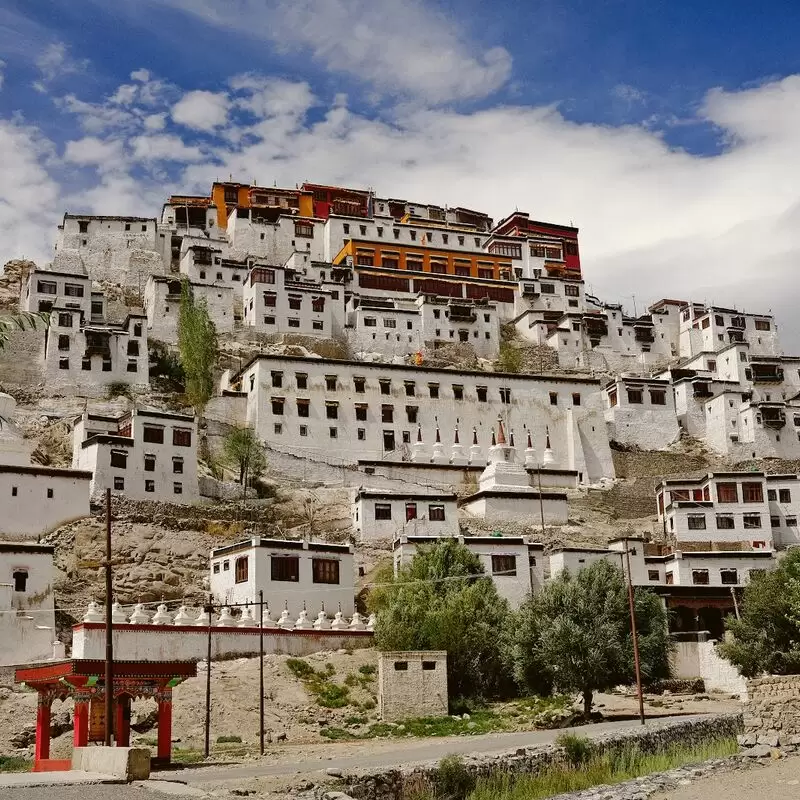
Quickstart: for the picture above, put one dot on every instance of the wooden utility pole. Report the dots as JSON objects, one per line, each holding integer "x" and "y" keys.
{"x": 209, "y": 611}
{"x": 631, "y": 607}
{"x": 109, "y": 634}
{"x": 261, "y": 670}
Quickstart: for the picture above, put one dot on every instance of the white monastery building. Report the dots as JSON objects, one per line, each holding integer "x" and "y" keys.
{"x": 387, "y": 515}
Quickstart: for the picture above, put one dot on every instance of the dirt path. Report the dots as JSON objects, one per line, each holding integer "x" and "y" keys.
{"x": 777, "y": 781}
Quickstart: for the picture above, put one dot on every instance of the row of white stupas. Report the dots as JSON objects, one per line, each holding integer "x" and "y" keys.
{"x": 199, "y": 617}
{"x": 420, "y": 455}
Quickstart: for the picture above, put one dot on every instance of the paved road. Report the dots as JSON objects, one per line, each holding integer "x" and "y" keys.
{"x": 93, "y": 792}
{"x": 395, "y": 752}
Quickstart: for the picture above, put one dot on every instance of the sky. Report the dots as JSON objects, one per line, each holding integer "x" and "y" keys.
{"x": 666, "y": 131}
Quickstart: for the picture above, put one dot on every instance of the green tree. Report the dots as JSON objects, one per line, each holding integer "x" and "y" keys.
{"x": 197, "y": 344}
{"x": 510, "y": 358}
{"x": 244, "y": 450}
{"x": 442, "y": 600}
{"x": 767, "y": 637}
{"x": 575, "y": 634}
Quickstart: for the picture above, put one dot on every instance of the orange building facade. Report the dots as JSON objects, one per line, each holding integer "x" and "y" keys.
{"x": 227, "y": 196}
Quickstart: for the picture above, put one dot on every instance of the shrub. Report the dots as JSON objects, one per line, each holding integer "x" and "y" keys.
{"x": 118, "y": 389}
{"x": 578, "y": 749}
{"x": 229, "y": 739}
{"x": 300, "y": 669}
{"x": 331, "y": 695}
{"x": 367, "y": 669}
{"x": 452, "y": 780}
{"x": 352, "y": 680}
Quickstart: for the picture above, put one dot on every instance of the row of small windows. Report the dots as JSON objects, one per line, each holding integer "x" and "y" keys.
{"x": 83, "y": 226}
{"x": 149, "y": 485}
{"x": 119, "y": 460}
{"x": 316, "y": 324}
{"x": 728, "y": 492}
{"x": 697, "y": 522}
{"x": 658, "y": 397}
{"x": 284, "y": 569}
{"x": 426, "y": 236}
{"x": 86, "y": 364}
{"x": 383, "y": 512}
{"x": 295, "y": 302}
{"x": 64, "y": 343}
{"x": 49, "y": 492}
{"x": 728, "y": 576}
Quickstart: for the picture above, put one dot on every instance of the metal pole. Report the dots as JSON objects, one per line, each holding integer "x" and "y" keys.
{"x": 541, "y": 502}
{"x": 261, "y": 670}
{"x": 636, "y": 663}
{"x": 209, "y": 610}
{"x": 109, "y": 637}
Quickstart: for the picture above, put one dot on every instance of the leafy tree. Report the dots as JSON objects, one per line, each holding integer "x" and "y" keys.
{"x": 442, "y": 600}
{"x": 767, "y": 637}
{"x": 510, "y": 358}
{"x": 245, "y": 451}
{"x": 197, "y": 344}
{"x": 575, "y": 634}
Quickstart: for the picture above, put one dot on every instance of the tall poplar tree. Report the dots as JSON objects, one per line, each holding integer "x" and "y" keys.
{"x": 197, "y": 344}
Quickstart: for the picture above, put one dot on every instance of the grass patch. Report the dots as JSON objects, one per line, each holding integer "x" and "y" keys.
{"x": 15, "y": 764}
{"x": 327, "y": 693}
{"x": 479, "y": 722}
{"x": 595, "y": 769}
{"x": 229, "y": 739}
{"x": 368, "y": 670}
{"x": 184, "y": 756}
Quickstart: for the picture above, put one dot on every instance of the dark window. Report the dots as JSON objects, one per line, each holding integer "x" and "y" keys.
{"x": 775, "y": 522}
{"x": 330, "y": 383}
{"x": 458, "y": 392}
{"x": 177, "y": 488}
{"x": 728, "y": 577}
{"x": 727, "y": 493}
{"x": 177, "y": 466}
{"x": 83, "y": 226}
{"x": 434, "y": 390}
{"x": 388, "y": 441}
{"x": 301, "y": 379}
{"x": 411, "y": 511}
{"x": 240, "y": 569}
{"x": 181, "y": 437}
{"x": 652, "y": 575}
{"x": 410, "y": 388}
{"x": 333, "y": 433}
{"x": 785, "y": 495}
{"x": 383, "y": 511}
{"x": 277, "y": 379}
{"x": 411, "y": 413}
{"x": 149, "y": 486}
{"x": 149, "y": 463}
{"x": 137, "y": 328}
{"x": 700, "y": 577}
{"x": 47, "y": 287}
{"x": 658, "y": 397}
{"x": 331, "y": 410}
{"x": 359, "y": 384}
{"x": 50, "y": 494}
{"x": 133, "y": 348}
{"x": 285, "y": 568}
{"x": 302, "y": 408}
{"x": 752, "y": 493}
{"x": 725, "y": 522}
{"x": 277, "y": 405}
{"x": 295, "y": 303}
{"x": 436, "y": 513}
{"x": 481, "y": 392}
{"x": 153, "y": 435}
{"x": 576, "y": 398}
{"x": 361, "y": 412}
{"x": 752, "y": 521}
{"x": 505, "y": 396}
{"x": 504, "y": 565}
{"x": 387, "y": 414}
{"x": 635, "y": 396}
{"x": 553, "y": 398}
{"x": 63, "y": 341}
{"x": 119, "y": 459}
{"x": 270, "y": 299}
{"x": 401, "y": 666}
{"x": 73, "y": 290}
{"x": 65, "y": 320}
{"x": 20, "y": 577}
{"x": 119, "y": 483}
{"x": 696, "y": 522}
{"x": 428, "y": 665}
{"x": 325, "y": 570}
{"x": 13, "y": 491}
{"x": 132, "y": 367}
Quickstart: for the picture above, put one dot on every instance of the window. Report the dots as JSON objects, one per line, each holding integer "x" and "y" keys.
{"x": 428, "y": 665}
{"x": 658, "y": 397}
{"x": 177, "y": 488}
{"x": 270, "y": 299}
{"x": 700, "y": 577}
{"x": 505, "y": 395}
{"x": 73, "y": 290}
{"x": 386, "y": 386}
{"x": 97, "y": 311}
{"x": 119, "y": 483}
{"x": 785, "y": 495}
{"x": 285, "y": 568}
{"x": 652, "y": 575}
{"x": 772, "y": 494}
{"x": 63, "y": 342}
{"x": 46, "y": 287}
{"x": 458, "y": 392}
{"x": 725, "y": 522}
{"x": 240, "y": 569}
{"x": 153, "y": 435}
{"x": 410, "y": 388}
{"x": 133, "y": 348}
{"x": 387, "y": 414}
{"x": 383, "y": 511}
{"x": 436, "y": 512}
{"x": 553, "y": 398}
{"x": 226, "y": 566}
{"x": 482, "y": 393}
{"x": 504, "y": 565}
{"x": 635, "y": 396}
{"x": 295, "y": 303}
{"x": 83, "y": 226}
{"x": 277, "y": 379}
{"x": 791, "y": 522}
{"x": 411, "y": 511}
{"x": 333, "y": 433}
{"x": 433, "y": 388}
{"x": 752, "y": 493}
{"x": 269, "y": 320}
{"x": 571, "y": 291}
{"x": 303, "y": 407}
{"x": 20, "y": 578}
{"x": 181, "y": 437}
{"x": 345, "y": 228}
{"x": 119, "y": 459}
{"x": 177, "y": 465}
{"x": 696, "y": 522}
{"x": 149, "y": 486}
{"x": 762, "y": 324}
{"x": 727, "y": 493}
{"x": 728, "y": 576}
{"x": 331, "y": 410}
{"x": 65, "y": 320}
{"x": 359, "y": 385}
{"x": 13, "y": 491}
{"x": 277, "y": 406}
{"x": 752, "y": 521}
{"x": 576, "y": 398}
{"x": 401, "y": 666}
{"x": 411, "y": 413}
{"x": 775, "y": 522}
{"x": 388, "y": 441}
{"x": 50, "y": 494}
{"x": 547, "y": 288}
{"x": 106, "y": 365}
{"x": 330, "y": 383}
{"x": 325, "y": 570}
{"x": 361, "y": 435}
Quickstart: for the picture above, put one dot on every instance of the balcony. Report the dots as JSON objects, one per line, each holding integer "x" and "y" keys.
{"x": 766, "y": 373}
{"x": 773, "y": 418}
{"x": 529, "y": 290}
{"x": 595, "y": 328}
{"x": 349, "y": 208}
{"x": 643, "y": 335}
{"x": 702, "y": 390}
{"x": 735, "y": 336}
{"x": 462, "y": 314}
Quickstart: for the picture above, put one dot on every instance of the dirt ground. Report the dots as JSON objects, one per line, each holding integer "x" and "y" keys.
{"x": 777, "y": 781}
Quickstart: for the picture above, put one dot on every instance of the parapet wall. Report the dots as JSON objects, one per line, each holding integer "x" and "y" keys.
{"x": 773, "y": 707}
{"x": 655, "y": 737}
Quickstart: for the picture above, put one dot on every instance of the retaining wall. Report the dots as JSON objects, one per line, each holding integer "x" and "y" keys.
{"x": 773, "y": 707}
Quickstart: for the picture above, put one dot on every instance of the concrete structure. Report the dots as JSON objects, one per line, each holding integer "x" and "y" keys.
{"x": 27, "y": 616}
{"x": 162, "y": 305}
{"x": 711, "y": 328}
{"x": 412, "y": 684}
{"x": 515, "y": 565}
{"x": 124, "y": 763}
{"x": 695, "y": 656}
{"x": 46, "y": 289}
{"x": 641, "y": 412}
{"x": 310, "y": 407}
{"x": 144, "y": 455}
{"x": 387, "y": 515}
{"x": 294, "y": 576}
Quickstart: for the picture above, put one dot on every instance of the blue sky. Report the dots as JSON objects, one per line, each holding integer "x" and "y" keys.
{"x": 665, "y": 130}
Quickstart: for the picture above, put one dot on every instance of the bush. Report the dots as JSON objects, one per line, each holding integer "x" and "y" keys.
{"x": 368, "y": 669}
{"x": 118, "y": 389}
{"x": 452, "y": 780}
{"x": 578, "y": 749}
{"x": 229, "y": 739}
{"x": 300, "y": 669}
{"x": 331, "y": 695}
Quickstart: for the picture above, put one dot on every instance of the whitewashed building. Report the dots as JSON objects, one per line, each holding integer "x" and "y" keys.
{"x": 162, "y": 305}
{"x": 346, "y": 411}
{"x": 710, "y": 328}
{"x": 386, "y": 515}
{"x": 144, "y": 455}
{"x": 641, "y": 412}
{"x": 85, "y": 357}
{"x": 293, "y": 575}
{"x": 45, "y": 289}
{"x": 276, "y": 239}
{"x": 27, "y": 615}
{"x": 515, "y": 565}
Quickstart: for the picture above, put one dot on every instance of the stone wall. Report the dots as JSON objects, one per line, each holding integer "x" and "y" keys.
{"x": 772, "y": 711}
{"x": 412, "y": 684}
{"x": 655, "y": 737}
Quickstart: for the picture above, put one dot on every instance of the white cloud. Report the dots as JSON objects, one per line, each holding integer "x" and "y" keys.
{"x": 124, "y": 95}
{"x": 629, "y": 94}
{"x": 164, "y": 147}
{"x": 142, "y": 75}
{"x": 55, "y": 62}
{"x": 155, "y": 122}
{"x": 405, "y": 49}
{"x": 2, "y": 74}
{"x": 91, "y": 151}
{"x": 201, "y": 110}
{"x": 266, "y": 97}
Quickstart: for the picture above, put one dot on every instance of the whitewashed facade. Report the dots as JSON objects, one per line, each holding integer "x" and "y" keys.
{"x": 144, "y": 455}
{"x": 641, "y": 412}
{"x": 293, "y": 575}
{"x": 710, "y": 328}
{"x": 346, "y": 411}
{"x": 387, "y": 515}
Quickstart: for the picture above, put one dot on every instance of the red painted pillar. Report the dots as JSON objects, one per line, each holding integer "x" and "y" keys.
{"x": 122, "y": 728}
{"x": 80, "y": 723}
{"x": 42, "y": 750}
{"x": 164, "y": 752}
